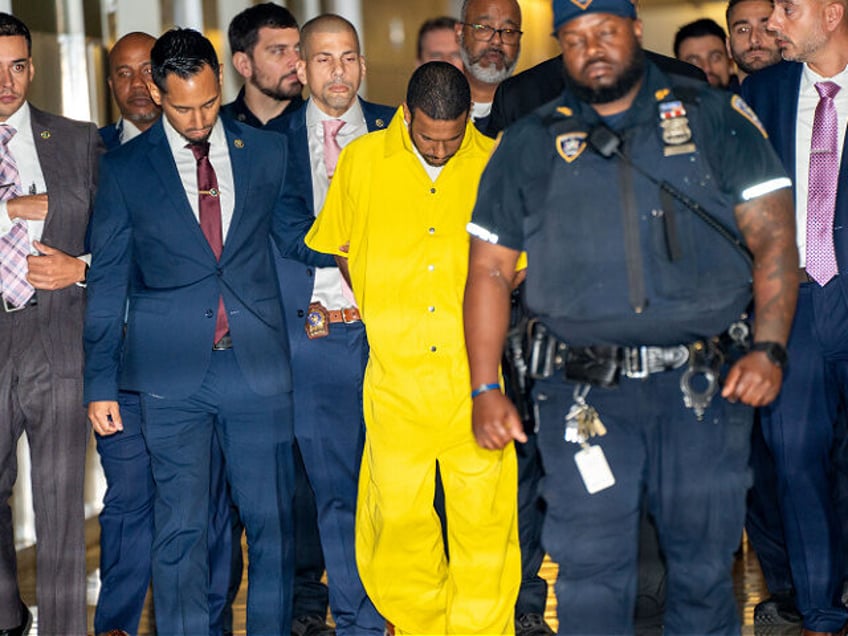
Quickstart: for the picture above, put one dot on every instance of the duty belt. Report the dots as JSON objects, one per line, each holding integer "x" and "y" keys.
{"x": 604, "y": 365}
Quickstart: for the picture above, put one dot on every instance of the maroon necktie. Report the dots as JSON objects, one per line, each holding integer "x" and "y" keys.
{"x": 210, "y": 218}
{"x": 821, "y": 201}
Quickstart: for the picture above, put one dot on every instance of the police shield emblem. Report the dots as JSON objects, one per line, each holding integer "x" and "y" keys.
{"x": 571, "y": 145}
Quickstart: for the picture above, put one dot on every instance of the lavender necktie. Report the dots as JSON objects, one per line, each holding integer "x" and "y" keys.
{"x": 821, "y": 202}
{"x": 15, "y": 245}
{"x": 332, "y": 149}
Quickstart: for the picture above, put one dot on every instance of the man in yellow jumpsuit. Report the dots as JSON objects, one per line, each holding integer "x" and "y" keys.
{"x": 395, "y": 217}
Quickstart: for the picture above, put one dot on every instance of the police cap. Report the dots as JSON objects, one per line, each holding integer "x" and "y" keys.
{"x": 567, "y": 10}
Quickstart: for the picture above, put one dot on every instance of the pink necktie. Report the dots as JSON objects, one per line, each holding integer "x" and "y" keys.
{"x": 209, "y": 206}
{"x": 332, "y": 149}
{"x": 15, "y": 245}
{"x": 824, "y": 172}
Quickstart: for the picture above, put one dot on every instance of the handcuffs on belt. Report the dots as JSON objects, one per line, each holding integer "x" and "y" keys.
{"x": 604, "y": 365}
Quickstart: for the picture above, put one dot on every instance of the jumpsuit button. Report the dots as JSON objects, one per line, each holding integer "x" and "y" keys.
{"x": 431, "y": 309}
{"x": 432, "y": 230}
{"x": 433, "y": 349}
{"x": 432, "y": 190}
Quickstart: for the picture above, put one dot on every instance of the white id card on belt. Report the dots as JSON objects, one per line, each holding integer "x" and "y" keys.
{"x": 594, "y": 469}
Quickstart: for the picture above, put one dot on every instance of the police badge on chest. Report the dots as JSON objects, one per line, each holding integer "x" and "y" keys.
{"x": 674, "y": 125}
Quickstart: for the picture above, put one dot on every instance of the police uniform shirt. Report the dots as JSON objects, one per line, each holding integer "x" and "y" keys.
{"x": 720, "y": 157}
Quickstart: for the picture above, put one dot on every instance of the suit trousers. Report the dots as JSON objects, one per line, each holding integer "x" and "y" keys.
{"x": 35, "y": 399}
{"x": 799, "y": 429}
{"x": 693, "y": 477}
{"x": 255, "y": 435}
{"x": 330, "y": 432}
{"x": 126, "y": 526}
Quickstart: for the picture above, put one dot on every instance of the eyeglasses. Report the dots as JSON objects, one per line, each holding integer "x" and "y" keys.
{"x": 485, "y": 33}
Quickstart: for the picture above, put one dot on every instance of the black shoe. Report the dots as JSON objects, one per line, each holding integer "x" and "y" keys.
{"x": 531, "y": 625}
{"x": 23, "y": 628}
{"x": 778, "y": 609}
{"x": 309, "y": 626}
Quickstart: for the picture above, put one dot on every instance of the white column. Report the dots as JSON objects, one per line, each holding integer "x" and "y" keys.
{"x": 188, "y": 13}
{"x": 6, "y": 6}
{"x": 128, "y": 16}
{"x": 227, "y": 10}
{"x": 73, "y": 59}
{"x": 311, "y": 9}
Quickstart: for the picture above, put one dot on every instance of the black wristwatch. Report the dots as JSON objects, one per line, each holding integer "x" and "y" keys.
{"x": 775, "y": 351}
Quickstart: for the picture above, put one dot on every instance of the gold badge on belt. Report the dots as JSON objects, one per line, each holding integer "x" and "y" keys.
{"x": 317, "y": 321}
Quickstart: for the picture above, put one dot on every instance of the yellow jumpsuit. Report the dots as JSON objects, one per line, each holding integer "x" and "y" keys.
{"x": 408, "y": 261}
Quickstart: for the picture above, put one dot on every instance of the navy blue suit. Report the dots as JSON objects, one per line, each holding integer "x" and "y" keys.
{"x": 799, "y": 427}
{"x": 126, "y": 521}
{"x": 151, "y": 258}
{"x": 327, "y": 375}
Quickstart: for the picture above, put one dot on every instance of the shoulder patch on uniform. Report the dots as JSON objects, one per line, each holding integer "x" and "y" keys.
{"x": 662, "y": 94}
{"x": 571, "y": 145}
{"x": 565, "y": 110}
{"x": 741, "y": 107}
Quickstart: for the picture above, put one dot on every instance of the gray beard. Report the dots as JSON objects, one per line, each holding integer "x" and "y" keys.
{"x": 486, "y": 74}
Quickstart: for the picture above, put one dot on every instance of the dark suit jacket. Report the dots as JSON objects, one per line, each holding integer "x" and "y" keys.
{"x": 295, "y": 269}
{"x": 148, "y": 250}
{"x": 773, "y": 94}
{"x": 523, "y": 93}
{"x": 68, "y": 153}
{"x": 111, "y": 136}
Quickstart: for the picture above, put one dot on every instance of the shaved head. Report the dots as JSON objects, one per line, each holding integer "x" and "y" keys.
{"x": 327, "y": 23}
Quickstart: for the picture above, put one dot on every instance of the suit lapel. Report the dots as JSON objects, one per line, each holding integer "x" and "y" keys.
{"x": 46, "y": 149}
{"x": 163, "y": 164}
{"x": 240, "y": 162}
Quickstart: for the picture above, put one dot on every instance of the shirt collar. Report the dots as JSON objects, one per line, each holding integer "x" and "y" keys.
{"x": 352, "y": 116}
{"x": 127, "y": 130}
{"x": 20, "y": 119}
{"x": 178, "y": 143}
{"x": 809, "y": 78}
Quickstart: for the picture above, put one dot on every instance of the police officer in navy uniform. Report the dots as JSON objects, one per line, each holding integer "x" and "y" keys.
{"x": 649, "y": 214}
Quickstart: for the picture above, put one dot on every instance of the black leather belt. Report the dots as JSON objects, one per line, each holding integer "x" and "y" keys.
{"x": 224, "y": 343}
{"x": 32, "y": 302}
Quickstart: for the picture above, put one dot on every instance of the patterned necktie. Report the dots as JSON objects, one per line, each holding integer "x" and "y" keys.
{"x": 209, "y": 205}
{"x": 824, "y": 172}
{"x": 332, "y": 149}
{"x": 14, "y": 246}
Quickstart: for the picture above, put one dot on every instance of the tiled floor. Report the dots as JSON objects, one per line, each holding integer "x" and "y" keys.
{"x": 747, "y": 578}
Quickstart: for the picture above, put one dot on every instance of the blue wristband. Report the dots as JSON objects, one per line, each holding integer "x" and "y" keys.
{"x": 485, "y": 388}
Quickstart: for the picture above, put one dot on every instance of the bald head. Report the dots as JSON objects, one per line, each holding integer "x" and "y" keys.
{"x": 129, "y": 71}
{"x": 327, "y": 24}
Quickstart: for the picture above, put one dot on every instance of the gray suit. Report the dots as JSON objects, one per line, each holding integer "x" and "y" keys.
{"x": 41, "y": 392}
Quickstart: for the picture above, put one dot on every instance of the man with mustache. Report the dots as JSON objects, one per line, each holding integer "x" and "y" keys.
{"x": 803, "y": 104}
{"x": 327, "y": 337}
{"x": 394, "y": 219}
{"x": 489, "y": 34}
{"x": 749, "y": 42}
{"x": 49, "y": 174}
{"x": 186, "y": 312}
{"x": 628, "y": 292}
{"x": 265, "y": 44}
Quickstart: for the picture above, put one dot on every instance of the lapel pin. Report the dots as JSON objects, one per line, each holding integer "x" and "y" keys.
{"x": 238, "y": 143}
{"x": 380, "y": 123}
{"x": 45, "y": 134}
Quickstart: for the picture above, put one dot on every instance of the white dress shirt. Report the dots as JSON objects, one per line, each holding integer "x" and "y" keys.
{"x": 328, "y": 288}
{"x": 127, "y": 131}
{"x": 808, "y": 99}
{"x": 22, "y": 149}
{"x": 219, "y": 157}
